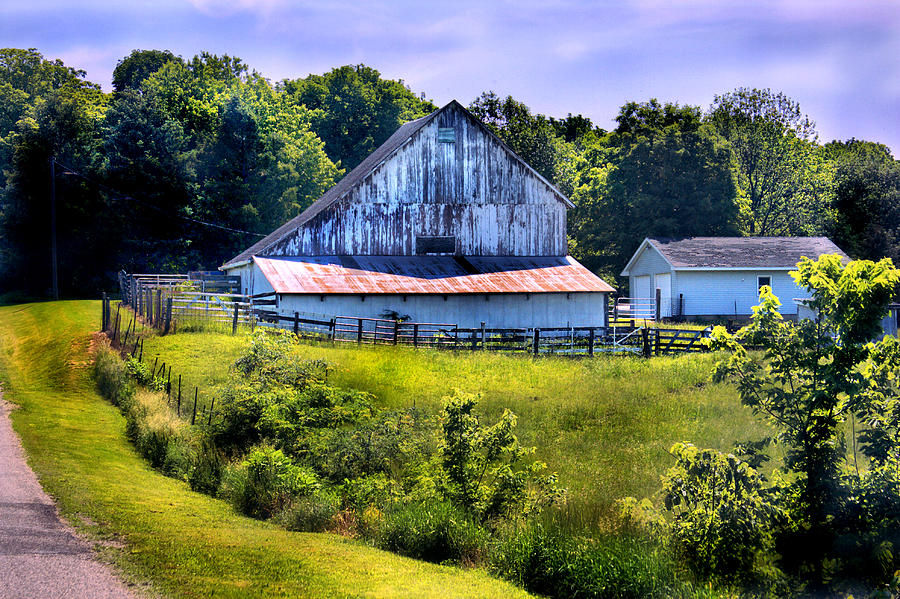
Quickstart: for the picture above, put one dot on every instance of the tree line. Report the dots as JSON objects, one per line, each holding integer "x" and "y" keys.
{"x": 188, "y": 161}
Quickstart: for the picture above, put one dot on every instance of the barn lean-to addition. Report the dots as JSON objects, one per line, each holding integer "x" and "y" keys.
{"x": 711, "y": 277}
{"x": 442, "y": 223}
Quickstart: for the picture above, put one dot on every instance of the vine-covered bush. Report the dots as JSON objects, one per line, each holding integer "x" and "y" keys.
{"x": 723, "y": 514}
{"x": 266, "y": 482}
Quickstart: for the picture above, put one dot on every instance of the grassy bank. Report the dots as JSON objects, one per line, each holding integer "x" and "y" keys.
{"x": 153, "y": 527}
{"x": 603, "y": 424}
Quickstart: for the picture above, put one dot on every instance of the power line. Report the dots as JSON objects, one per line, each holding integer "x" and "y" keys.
{"x": 121, "y": 196}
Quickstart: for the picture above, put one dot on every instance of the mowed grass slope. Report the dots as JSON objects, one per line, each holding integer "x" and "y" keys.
{"x": 604, "y": 424}
{"x": 153, "y": 527}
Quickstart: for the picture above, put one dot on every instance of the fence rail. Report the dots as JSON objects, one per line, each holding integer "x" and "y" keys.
{"x": 173, "y": 302}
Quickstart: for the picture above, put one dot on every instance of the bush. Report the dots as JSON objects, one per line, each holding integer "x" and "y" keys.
{"x": 266, "y": 482}
{"x": 111, "y": 377}
{"x": 206, "y": 471}
{"x": 160, "y": 436}
{"x": 143, "y": 375}
{"x": 314, "y": 513}
{"x": 435, "y": 531}
{"x": 549, "y": 562}
{"x": 723, "y": 516}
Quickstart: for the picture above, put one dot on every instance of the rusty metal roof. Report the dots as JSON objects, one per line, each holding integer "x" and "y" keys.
{"x": 427, "y": 274}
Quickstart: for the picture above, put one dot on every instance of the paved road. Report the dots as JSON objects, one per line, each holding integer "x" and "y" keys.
{"x": 40, "y": 557}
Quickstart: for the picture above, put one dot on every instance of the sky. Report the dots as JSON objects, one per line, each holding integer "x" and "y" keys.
{"x": 840, "y": 59}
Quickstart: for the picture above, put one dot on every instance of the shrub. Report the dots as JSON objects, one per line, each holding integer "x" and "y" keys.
{"x": 723, "y": 516}
{"x": 488, "y": 471}
{"x": 270, "y": 358}
{"x": 314, "y": 513}
{"x": 160, "y": 436}
{"x": 206, "y": 470}
{"x": 547, "y": 561}
{"x": 435, "y": 531}
{"x": 143, "y": 375}
{"x": 266, "y": 482}
{"x": 111, "y": 376}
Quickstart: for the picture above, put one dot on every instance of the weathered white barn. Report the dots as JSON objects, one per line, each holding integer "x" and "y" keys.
{"x": 714, "y": 277}
{"x": 442, "y": 223}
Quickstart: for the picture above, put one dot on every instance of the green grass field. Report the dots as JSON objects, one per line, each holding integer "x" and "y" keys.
{"x": 154, "y": 529}
{"x": 604, "y": 424}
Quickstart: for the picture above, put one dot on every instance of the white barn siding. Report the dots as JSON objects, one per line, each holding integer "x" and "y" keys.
{"x": 733, "y": 292}
{"x": 510, "y": 310}
{"x": 472, "y": 189}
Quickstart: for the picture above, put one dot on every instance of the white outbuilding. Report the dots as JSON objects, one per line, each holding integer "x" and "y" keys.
{"x": 719, "y": 277}
{"x": 443, "y": 223}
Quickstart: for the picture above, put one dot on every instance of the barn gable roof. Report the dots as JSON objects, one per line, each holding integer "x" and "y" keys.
{"x": 355, "y": 177}
{"x": 713, "y": 253}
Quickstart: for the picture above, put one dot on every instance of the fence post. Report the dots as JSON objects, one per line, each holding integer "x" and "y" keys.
{"x": 296, "y": 323}
{"x": 415, "y": 335}
{"x": 656, "y": 331}
{"x": 103, "y": 313}
{"x": 645, "y": 342}
{"x": 158, "y": 319}
{"x": 483, "y": 337}
{"x": 179, "y": 389}
{"x": 359, "y": 331}
{"x": 591, "y": 342}
{"x": 194, "y": 414}
{"x": 680, "y": 305}
{"x": 658, "y": 294}
{"x": 234, "y": 320}
{"x": 396, "y": 331}
{"x": 211, "y": 404}
{"x": 332, "y": 326}
{"x": 168, "y": 315}
{"x": 537, "y": 341}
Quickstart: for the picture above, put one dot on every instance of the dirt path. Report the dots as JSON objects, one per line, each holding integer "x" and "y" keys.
{"x": 40, "y": 557}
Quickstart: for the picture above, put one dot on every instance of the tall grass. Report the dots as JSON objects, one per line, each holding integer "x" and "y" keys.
{"x": 603, "y": 424}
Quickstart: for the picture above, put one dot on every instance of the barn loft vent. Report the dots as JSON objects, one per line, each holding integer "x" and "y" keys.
{"x": 435, "y": 244}
{"x": 446, "y": 135}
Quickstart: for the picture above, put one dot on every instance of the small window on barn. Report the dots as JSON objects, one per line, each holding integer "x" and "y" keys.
{"x": 435, "y": 244}
{"x": 446, "y": 135}
{"x": 763, "y": 282}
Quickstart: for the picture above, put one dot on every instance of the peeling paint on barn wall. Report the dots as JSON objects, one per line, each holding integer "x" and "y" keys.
{"x": 470, "y": 189}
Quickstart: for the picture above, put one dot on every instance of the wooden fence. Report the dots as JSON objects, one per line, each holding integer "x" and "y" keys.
{"x": 173, "y": 302}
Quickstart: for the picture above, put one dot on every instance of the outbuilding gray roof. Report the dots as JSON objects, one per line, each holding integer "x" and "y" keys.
{"x": 742, "y": 252}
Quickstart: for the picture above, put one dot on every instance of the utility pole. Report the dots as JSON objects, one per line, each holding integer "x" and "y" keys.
{"x": 53, "y": 225}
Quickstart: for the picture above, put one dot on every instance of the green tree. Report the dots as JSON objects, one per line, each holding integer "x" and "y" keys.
{"x": 866, "y": 199}
{"x": 131, "y": 72}
{"x": 809, "y": 378}
{"x": 662, "y": 172}
{"x": 264, "y": 165}
{"x": 356, "y": 110}
{"x": 148, "y": 159}
{"x": 62, "y": 124}
{"x": 781, "y": 178}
